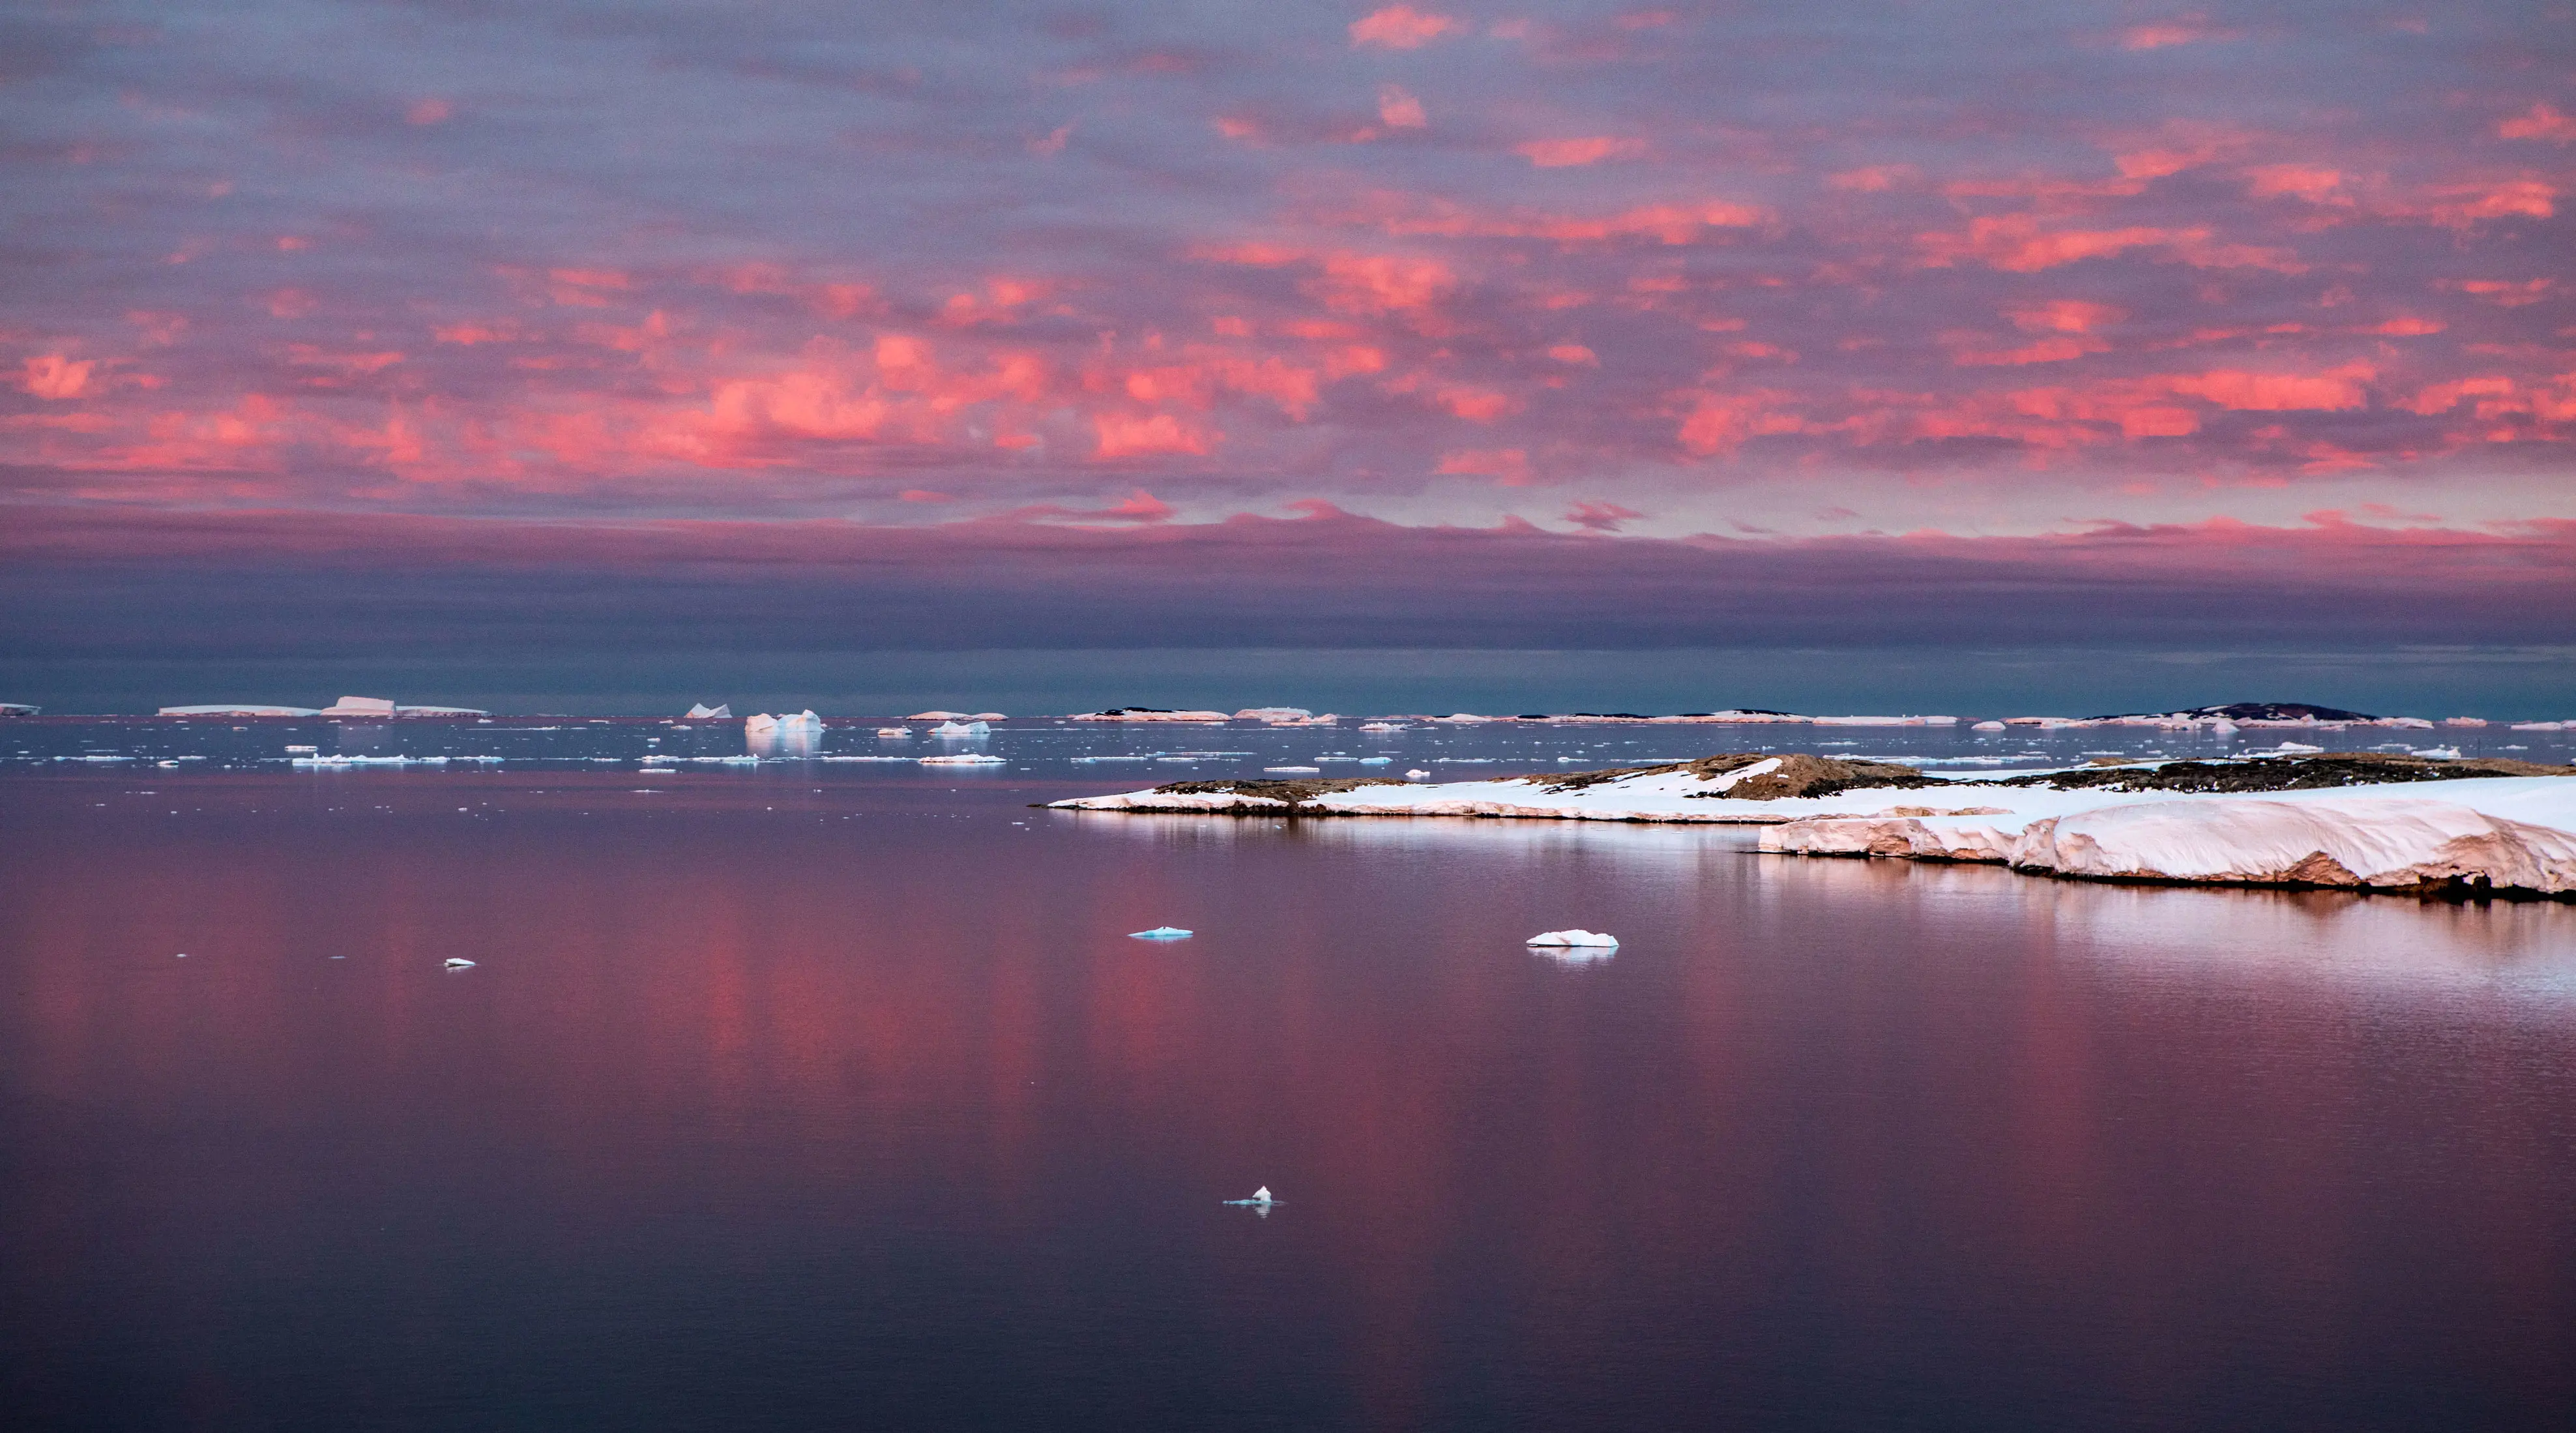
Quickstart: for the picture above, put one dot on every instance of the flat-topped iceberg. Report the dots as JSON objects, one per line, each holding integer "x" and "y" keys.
{"x": 237, "y": 709}
{"x": 700, "y": 711}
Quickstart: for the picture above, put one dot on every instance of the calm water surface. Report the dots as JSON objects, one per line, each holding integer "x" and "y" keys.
{"x": 811, "y": 1095}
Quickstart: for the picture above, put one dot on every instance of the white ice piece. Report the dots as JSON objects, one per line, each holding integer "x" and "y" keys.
{"x": 237, "y": 710}
{"x": 1273, "y": 714}
{"x": 989, "y": 716}
{"x": 963, "y": 758}
{"x": 1161, "y": 932}
{"x": 1417, "y": 774}
{"x": 1987, "y": 726}
{"x": 934, "y": 716}
{"x": 891, "y": 733}
{"x": 1292, "y": 770}
{"x": 700, "y": 711}
{"x": 1577, "y": 937}
{"x": 961, "y": 728}
{"x": 458, "y": 962}
{"x": 1260, "y": 1198}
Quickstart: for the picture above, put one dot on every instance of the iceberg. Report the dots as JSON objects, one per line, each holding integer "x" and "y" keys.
{"x": 1383, "y": 726}
{"x": 1272, "y": 714}
{"x": 961, "y": 728}
{"x": 968, "y": 758}
{"x": 223, "y": 709}
{"x": 988, "y": 716}
{"x": 1577, "y": 937}
{"x": 19, "y": 709}
{"x": 1260, "y": 1199}
{"x": 1161, "y": 932}
{"x": 700, "y": 711}
{"x": 934, "y": 716}
{"x": 1987, "y": 726}
{"x": 1417, "y": 774}
{"x": 891, "y": 733}
{"x": 458, "y": 962}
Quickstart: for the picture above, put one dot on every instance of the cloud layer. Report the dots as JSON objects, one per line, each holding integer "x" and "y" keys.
{"x": 1738, "y": 280}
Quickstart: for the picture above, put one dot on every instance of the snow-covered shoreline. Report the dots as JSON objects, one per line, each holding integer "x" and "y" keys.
{"x": 2501, "y": 833}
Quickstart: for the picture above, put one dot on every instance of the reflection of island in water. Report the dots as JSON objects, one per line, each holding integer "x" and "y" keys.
{"x": 797, "y": 735}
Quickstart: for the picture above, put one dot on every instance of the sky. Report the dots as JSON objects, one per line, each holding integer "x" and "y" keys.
{"x": 457, "y": 343}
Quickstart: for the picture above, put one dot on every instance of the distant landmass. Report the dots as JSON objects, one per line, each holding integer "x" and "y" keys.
{"x": 2256, "y": 711}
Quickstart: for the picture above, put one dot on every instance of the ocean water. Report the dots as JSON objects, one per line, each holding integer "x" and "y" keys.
{"x": 835, "y": 1093}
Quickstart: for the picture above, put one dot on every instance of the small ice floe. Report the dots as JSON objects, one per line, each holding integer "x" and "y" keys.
{"x": 183, "y": 955}
{"x": 961, "y": 728}
{"x": 302, "y": 750}
{"x": 966, "y": 758}
{"x": 2437, "y": 753}
{"x": 458, "y": 962}
{"x": 1382, "y": 726}
{"x": 1291, "y": 770}
{"x": 1987, "y": 726}
{"x": 1417, "y": 774}
{"x": 1588, "y": 939}
{"x": 893, "y": 733}
{"x": 1375, "y": 760}
{"x": 1161, "y": 932}
{"x": 1260, "y": 1200}
{"x": 167, "y": 765}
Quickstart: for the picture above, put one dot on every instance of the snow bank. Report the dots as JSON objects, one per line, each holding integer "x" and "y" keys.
{"x": 2508, "y": 833}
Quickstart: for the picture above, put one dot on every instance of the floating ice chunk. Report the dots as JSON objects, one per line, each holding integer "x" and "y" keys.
{"x": 963, "y": 758}
{"x": 234, "y": 710}
{"x": 1587, "y": 938}
{"x": 2287, "y": 748}
{"x": 989, "y": 716}
{"x": 1383, "y": 726}
{"x": 1161, "y": 932}
{"x": 1375, "y": 760}
{"x": 1292, "y": 770}
{"x": 934, "y": 716}
{"x": 360, "y": 706}
{"x": 960, "y": 728}
{"x": 458, "y": 962}
{"x": 1987, "y": 726}
{"x": 2439, "y": 753}
{"x": 700, "y": 711}
{"x": 1260, "y": 1199}
{"x": 893, "y": 733}
{"x": 168, "y": 765}
{"x": 1417, "y": 774}
{"x": 1273, "y": 714}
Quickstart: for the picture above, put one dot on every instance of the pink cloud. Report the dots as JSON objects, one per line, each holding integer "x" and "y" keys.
{"x": 52, "y": 376}
{"x": 1397, "y": 109}
{"x": 1510, "y": 466}
{"x": 2334, "y": 390}
{"x": 1574, "y": 353}
{"x": 1134, "y": 435}
{"x": 1574, "y": 153}
{"x": 428, "y": 111}
{"x": 2065, "y": 316}
{"x": 2180, "y": 30}
{"x": 1601, "y": 517}
{"x": 2541, "y": 121}
{"x": 1401, "y": 27}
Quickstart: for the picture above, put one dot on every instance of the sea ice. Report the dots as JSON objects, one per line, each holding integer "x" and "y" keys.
{"x": 1161, "y": 932}
{"x": 961, "y": 728}
{"x": 700, "y": 711}
{"x": 1573, "y": 937}
{"x": 1987, "y": 726}
{"x": 891, "y": 733}
{"x": 968, "y": 758}
{"x": 458, "y": 962}
{"x": 1417, "y": 774}
{"x": 1292, "y": 770}
{"x": 236, "y": 710}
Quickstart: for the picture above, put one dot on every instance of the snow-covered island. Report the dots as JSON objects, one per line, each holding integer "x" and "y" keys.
{"x": 2359, "y": 820}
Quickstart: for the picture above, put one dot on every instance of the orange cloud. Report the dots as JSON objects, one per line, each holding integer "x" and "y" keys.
{"x": 1574, "y": 353}
{"x": 1401, "y": 27}
{"x": 1672, "y": 224}
{"x": 1574, "y": 153}
{"x": 51, "y": 375}
{"x": 1399, "y": 110}
{"x": 2300, "y": 181}
{"x": 1719, "y": 423}
{"x": 2462, "y": 206}
{"x": 2541, "y": 121}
